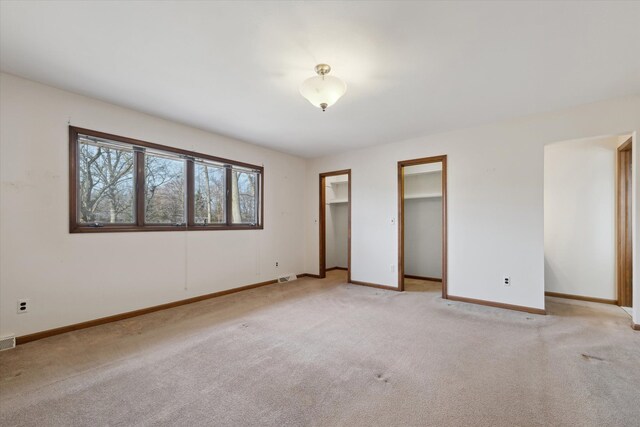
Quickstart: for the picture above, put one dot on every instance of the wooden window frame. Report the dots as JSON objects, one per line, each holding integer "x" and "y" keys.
{"x": 139, "y": 225}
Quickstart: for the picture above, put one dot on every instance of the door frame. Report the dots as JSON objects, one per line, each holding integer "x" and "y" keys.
{"x": 413, "y": 162}
{"x": 322, "y": 258}
{"x": 624, "y": 244}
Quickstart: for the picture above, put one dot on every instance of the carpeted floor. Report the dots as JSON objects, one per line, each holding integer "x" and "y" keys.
{"x": 323, "y": 353}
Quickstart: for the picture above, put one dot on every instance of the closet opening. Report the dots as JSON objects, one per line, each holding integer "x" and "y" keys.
{"x": 422, "y": 224}
{"x": 335, "y": 225}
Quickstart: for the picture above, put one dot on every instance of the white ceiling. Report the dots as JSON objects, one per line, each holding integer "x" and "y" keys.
{"x": 411, "y": 68}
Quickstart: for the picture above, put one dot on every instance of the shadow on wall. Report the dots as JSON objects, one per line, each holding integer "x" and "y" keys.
{"x": 550, "y": 274}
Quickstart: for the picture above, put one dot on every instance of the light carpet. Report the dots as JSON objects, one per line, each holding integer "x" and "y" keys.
{"x": 324, "y": 353}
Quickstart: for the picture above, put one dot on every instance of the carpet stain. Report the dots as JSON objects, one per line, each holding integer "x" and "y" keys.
{"x": 590, "y": 357}
{"x": 382, "y": 378}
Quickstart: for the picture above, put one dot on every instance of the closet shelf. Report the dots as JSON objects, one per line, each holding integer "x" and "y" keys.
{"x": 422, "y": 196}
{"x": 410, "y": 173}
{"x": 336, "y": 201}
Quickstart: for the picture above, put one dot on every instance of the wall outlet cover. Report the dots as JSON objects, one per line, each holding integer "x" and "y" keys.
{"x": 23, "y": 306}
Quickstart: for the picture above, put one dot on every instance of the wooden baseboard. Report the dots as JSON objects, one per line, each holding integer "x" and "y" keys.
{"x": 498, "y": 304}
{"x": 430, "y": 279}
{"x": 635, "y": 326}
{"x": 581, "y": 298}
{"x": 315, "y": 276}
{"x": 101, "y": 321}
{"x": 374, "y": 285}
{"x": 337, "y": 268}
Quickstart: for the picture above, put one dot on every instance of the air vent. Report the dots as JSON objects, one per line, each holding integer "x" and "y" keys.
{"x": 7, "y": 343}
{"x": 287, "y": 278}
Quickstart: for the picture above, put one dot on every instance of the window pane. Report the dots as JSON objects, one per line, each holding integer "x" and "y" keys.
{"x": 164, "y": 190}
{"x": 105, "y": 184}
{"x": 209, "y": 197}
{"x": 244, "y": 197}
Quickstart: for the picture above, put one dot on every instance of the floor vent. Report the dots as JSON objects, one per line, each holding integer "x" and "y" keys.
{"x": 287, "y": 278}
{"x": 7, "y": 343}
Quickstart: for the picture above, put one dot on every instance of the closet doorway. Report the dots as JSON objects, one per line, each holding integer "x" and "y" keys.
{"x": 422, "y": 223}
{"x": 335, "y": 222}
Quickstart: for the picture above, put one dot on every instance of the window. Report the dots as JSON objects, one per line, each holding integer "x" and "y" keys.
{"x": 210, "y": 194}
{"x": 122, "y": 184}
{"x": 105, "y": 187}
{"x": 164, "y": 190}
{"x": 244, "y": 196}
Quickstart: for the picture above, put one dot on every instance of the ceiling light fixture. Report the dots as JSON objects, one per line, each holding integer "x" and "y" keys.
{"x": 322, "y": 90}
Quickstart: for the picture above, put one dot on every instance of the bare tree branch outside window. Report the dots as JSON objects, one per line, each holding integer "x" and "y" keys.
{"x": 209, "y": 198}
{"x": 123, "y": 184}
{"x": 164, "y": 190}
{"x": 243, "y": 197}
{"x": 106, "y": 184}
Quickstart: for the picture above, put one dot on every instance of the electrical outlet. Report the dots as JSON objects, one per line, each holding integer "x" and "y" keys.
{"x": 23, "y": 306}
{"x": 276, "y": 263}
{"x": 506, "y": 280}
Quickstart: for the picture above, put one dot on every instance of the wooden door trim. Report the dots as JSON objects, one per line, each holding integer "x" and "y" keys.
{"x": 624, "y": 249}
{"x": 413, "y": 162}
{"x": 322, "y": 261}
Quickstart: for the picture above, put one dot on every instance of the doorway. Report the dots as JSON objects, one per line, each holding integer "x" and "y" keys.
{"x": 587, "y": 219}
{"x": 335, "y": 222}
{"x": 422, "y": 221}
{"x": 624, "y": 247}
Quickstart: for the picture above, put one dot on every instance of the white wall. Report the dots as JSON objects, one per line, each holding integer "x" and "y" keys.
{"x": 495, "y": 205}
{"x": 580, "y": 217}
{"x": 71, "y": 278}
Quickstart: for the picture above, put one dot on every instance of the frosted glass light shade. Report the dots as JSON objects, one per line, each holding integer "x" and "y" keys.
{"x": 323, "y": 91}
